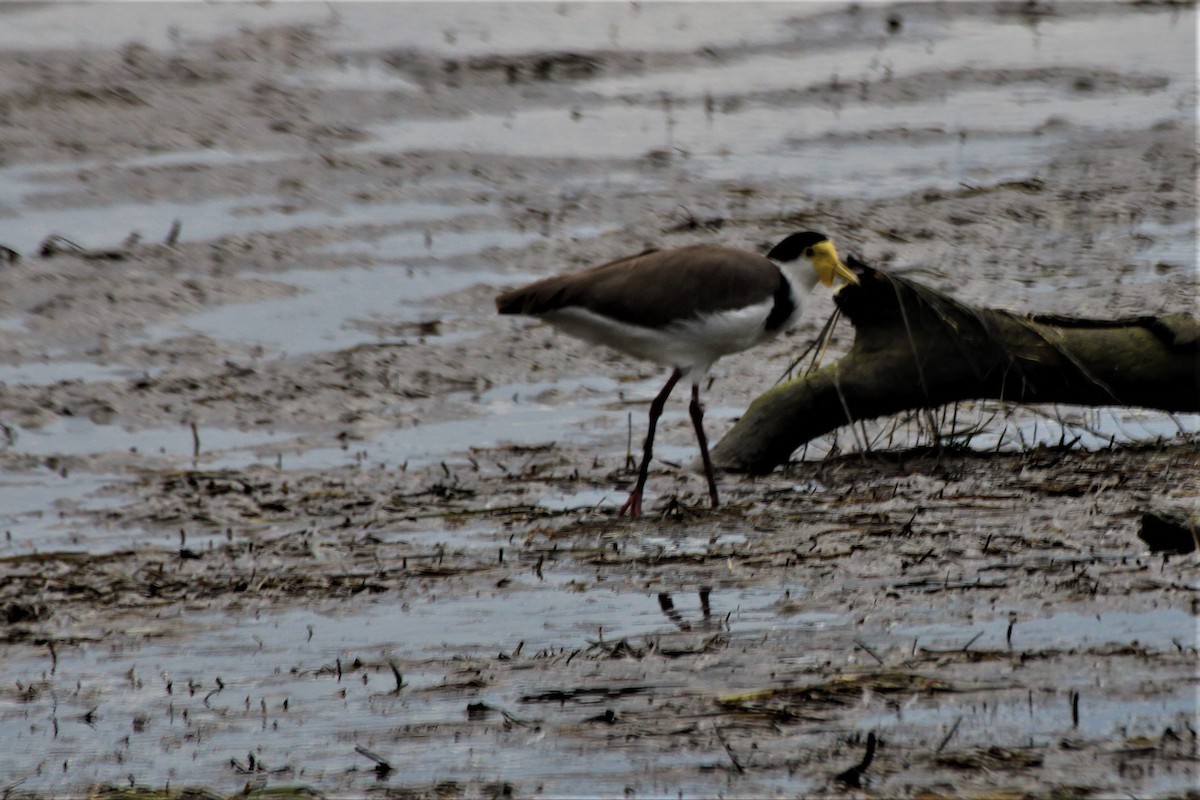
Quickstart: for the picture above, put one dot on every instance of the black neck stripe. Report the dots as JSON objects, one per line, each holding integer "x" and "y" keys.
{"x": 784, "y": 305}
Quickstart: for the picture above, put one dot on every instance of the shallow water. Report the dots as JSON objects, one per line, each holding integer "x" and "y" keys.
{"x": 1152, "y": 44}
{"x": 331, "y": 309}
{"x": 205, "y": 220}
{"x": 38, "y": 512}
{"x": 291, "y": 656}
{"x": 31, "y": 27}
{"x": 32, "y": 373}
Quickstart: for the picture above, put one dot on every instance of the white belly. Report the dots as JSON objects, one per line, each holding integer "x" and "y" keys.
{"x": 692, "y": 344}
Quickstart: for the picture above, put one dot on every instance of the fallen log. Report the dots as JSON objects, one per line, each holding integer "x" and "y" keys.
{"x": 917, "y": 348}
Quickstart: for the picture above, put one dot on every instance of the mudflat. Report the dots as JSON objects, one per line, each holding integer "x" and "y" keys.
{"x": 288, "y": 509}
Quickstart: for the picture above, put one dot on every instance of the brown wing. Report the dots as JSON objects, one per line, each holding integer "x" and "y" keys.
{"x": 656, "y": 287}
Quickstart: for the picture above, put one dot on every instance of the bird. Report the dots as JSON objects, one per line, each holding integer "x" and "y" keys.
{"x": 684, "y": 308}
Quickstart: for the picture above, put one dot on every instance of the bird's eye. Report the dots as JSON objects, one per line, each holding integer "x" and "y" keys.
{"x": 808, "y": 252}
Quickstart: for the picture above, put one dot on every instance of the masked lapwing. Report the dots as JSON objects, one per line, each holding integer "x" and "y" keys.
{"x": 684, "y": 308}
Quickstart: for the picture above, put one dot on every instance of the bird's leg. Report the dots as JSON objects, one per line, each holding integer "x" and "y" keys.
{"x": 634, "y": 504}
{"x": 697, "y": 412}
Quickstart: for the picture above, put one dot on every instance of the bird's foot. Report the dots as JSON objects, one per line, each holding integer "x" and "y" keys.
{"x": 633, "y": 505}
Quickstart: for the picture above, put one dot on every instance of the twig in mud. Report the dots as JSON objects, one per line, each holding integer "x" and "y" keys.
{"x": 255, "y": 765}
{"x": 619, "y": 649}
{"x": 399, "y": 677}
{"x": 709, "y": 645}
{"x": 173, "y": 234}
{"x": 510, "y": 720}
{"x": 737, "y": 765}
{"x": 868, "y": 651}
{"x": 516, "y": 652}
{"x": 382, "y": 767}
{"x": 853, "y": 776}
{"x": 220, "y": 688}
{"x": 55, "y": 245}
{"x": 974, "y": 639}
{"x": 949, "y": 735}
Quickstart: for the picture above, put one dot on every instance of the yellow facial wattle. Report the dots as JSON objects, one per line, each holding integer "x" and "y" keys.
{"x": 828, "y": 266}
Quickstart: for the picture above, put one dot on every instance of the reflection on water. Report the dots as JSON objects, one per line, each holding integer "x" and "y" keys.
{"x": 294, "y": 673}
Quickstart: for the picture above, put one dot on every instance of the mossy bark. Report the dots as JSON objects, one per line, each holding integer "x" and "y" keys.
{"x": 917, "y": 348}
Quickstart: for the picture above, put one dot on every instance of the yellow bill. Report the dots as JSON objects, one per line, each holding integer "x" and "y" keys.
{"x": 828, "y": 265}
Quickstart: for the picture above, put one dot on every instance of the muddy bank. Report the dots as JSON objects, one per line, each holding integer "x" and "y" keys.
{"x": 279, "y": 488}
{"x": 994, "y": 619}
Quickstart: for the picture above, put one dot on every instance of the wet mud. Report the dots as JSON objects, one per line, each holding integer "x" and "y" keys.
{"x": 289, "y": 511}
